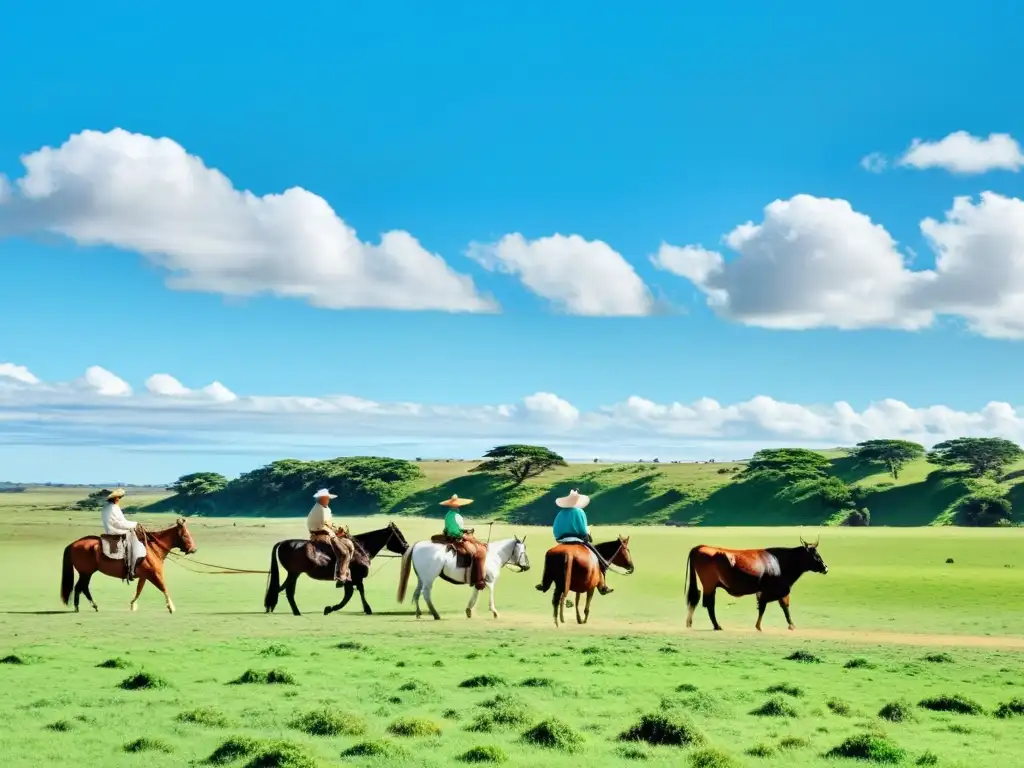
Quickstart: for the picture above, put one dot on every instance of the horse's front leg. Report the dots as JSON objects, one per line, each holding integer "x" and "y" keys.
{"x": 362, "y": 596}
{"x": 138, "y": 591}
{"x": 157, "y": 578}
{"x": 472, "y": 601}
{"x": 586, "y": 611}
{"x": 344, "y": 601}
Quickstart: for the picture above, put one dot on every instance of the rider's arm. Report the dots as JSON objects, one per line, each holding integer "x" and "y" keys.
{"x": 118, "y": 521}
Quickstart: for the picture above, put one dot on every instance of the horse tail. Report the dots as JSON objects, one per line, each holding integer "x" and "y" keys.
{"x": 67, "y": 576}
{"x": 403, "y": 576}
{"x": 273, "y": 582}
{"x": 693, "y": 595}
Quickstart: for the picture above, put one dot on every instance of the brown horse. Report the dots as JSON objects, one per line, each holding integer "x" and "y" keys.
{"x": 573, "y": 568}
{"x": 767, "y": 573}
{"x": 85, "y": 556}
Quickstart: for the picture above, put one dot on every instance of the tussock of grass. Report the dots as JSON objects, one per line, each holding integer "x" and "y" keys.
{"x": 482, "y": 681}
{"x": 803, "y": 656}
{"x": 277, "y": 650}
{"x": 858, "y": 663}
{"x": 868, "y": 746}
{"x": 503, "y": 711}
{"x": 415, "y": 686}
{"x": 839, "y": 707}
{"x": 668, "y": 649}
{"x": 147, "y": 745}
{"x": 775, "y": 707}
{"x": 554, "y": 734}
{"x": 927, "y": 758}
{"x": 114, "y": 664}
{"x": 417, "y": 727}
{"x": 142, "y": 681}
{"x": 489, "y": 753}
{"x": 281, "y": 754}
{"x": 258, "y": 677}
{"x": 1011, "y": 708}
{"x": 897, "y": 712}
{"x": 786, "y": 689}
{"x": 537, "y": 682}
{"x": 939, "y": 658}
{"x": 701, "y": 703}
{"x": 451, "y": 714}
{"x": 348, "y": 645}
{"x": 793, "y": 742}
{"x": 633, "y": 752}
{"x": 233, "y": 749}
{"x": 328, "y": 722}
{"x": 710, "y": 757}
{"x": 961, "y": 705}
{"x": 686, "y": 688}
{"x": 591, "y": 650}
{"x": 381, "y": 749}
{"x": 208, "y": 716}
{"x": 61, "y": 726}
{"x": 12, "y": 659}
{"x": 664, "y": 729}
{"x": 761, "y": 750}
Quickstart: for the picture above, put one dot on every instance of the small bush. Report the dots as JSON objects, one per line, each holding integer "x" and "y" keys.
{"x": 538, "y": 682}
{"x": 482, "y": 681}
{"x": 939, "y": 658}
{"x": 709, "y": 757}
{"x": 664, "y": 729}
{"x": 147, "y": 745}
{"x": 839, "y": 707}
{"x": 281, "y": 754}
{"x": 804, "y": 657}
{"x": 897, "y": 712}
{"x": 984, "y": 509}
{"x": 328, "y": 722}
{"x": 419, "y": 727}
{"x": 868, "y": 746}
{"x": 503, "y": 711}
{"x": 12, "y": 659}
{"x": 381, "y": 749}
{"x": 257, "y": 677}
{"x": 554, "y": 734}
{"x": 961, "y": 705}
{"x": 489, "y": 753}
{"x": 276, "y": 650}
{"x": 451, "y": 714}
{"x": 858, "y": 663}
{"x": 61, "y": 726}
{"x": 775, "y": 707}
{"x": 208, "y": 716}
{"x": 786, "y": 689}
{"x": 1011, "y": 708}
{"x": 686, "y": 688}
{"x": 142, "y": 681}
{"x": 949, "y": 561}
{"x": 113, "y": 664}
{"x": 233, "y": 749}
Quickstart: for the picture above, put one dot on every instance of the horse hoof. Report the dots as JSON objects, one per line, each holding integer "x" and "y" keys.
{"x": 718, "y": 629}
{"x": 469, "y": 614}
{"x": 791, "y": 627}
{"x": 495, "y": 614}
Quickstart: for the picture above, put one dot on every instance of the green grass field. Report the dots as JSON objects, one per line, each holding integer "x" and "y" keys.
{"x": 892, "y": 623}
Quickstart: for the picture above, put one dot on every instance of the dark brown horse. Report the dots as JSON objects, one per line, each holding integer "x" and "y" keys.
{"x": 291, "y": 554}
{"x": 86, "y": 556}
{"x": 573, "y": 568}
{"x": 767, "y": 573}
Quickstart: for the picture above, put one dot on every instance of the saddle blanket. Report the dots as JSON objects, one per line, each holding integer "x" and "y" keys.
{"x": 113, "y": 547}
{"x": 571, "y": 540}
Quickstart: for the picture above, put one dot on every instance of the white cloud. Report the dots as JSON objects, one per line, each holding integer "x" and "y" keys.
{"x": 876, "y": 162}
{"x": 149, "y": 195}
{"x": 817, "y": 262}
{"x": 45, "y": 413}
{"x": 104, "y": 383}
{"x": 165, "y": 385}
{"x": 960, "y": 152}
{"x": 18, "y": 373}
{"x": 580, "y": 277}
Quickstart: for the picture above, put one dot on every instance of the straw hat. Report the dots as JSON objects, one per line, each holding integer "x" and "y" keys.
{"x": 455, "y": 502}
{"x": 324, "y": 492}
{"x": 574, "y": 499}
{"x": 116, "y": 495}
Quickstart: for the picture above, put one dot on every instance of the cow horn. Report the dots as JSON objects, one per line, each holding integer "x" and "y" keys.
{"x": 802, "y": 541}
{"x": 816, "y": 541}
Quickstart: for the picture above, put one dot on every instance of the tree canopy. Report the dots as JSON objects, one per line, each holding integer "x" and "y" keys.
{"x": 787, "y": 464}
{"x": 199, "y": 484}
{"x": 892, "y": 454}
{"x": 519, "y": 462}
{"x": 981, "y": 455}
{"x": 94, "y": 500}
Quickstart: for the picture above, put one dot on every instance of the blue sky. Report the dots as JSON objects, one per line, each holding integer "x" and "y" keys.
{"x": 672, "y": 123}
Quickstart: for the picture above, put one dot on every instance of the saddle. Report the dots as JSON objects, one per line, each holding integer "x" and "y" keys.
{"x": 319, "y": 550}
{"x": 114, "y": 546}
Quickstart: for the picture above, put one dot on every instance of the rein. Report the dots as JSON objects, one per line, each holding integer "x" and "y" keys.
{"x": 608, "y": 563}
{"x": 220, "y": 570}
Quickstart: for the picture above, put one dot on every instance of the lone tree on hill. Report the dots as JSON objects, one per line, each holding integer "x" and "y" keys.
{"x": 981, "y": 455}
{"x": 519, "y": 462}
{"x": 787, "y": 463}
{"x": 199, "y": 484}
{"x": 893, "y": 454}
{"x": 94, "y": 500}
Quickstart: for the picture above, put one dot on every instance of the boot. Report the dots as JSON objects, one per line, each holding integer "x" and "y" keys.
{"x": 478, "y": 571}
{"x": 603, "y": 587}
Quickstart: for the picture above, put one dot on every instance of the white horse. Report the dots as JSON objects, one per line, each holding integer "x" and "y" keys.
{"x": 431, "y": 560}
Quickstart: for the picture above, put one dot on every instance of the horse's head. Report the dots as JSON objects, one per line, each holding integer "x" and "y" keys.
{"x": 396, "y": 542}
{"x": 622, "y": 557}
{"x": 519, "y": 557}
{"x": 184, "y": 540}
{"x": 810, "y": 559}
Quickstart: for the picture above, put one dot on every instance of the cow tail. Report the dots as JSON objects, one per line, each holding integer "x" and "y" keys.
{"x": 693, "y": 593}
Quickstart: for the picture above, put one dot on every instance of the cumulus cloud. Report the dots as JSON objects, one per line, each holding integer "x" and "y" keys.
{"x": 42, "y": 413}
{"x": 816, "y": 263}
{"x": 580, "y": 277}
{"x": 149, "y": 195}
{"x": 104, "y": 383}
{"x": 165, "y": 385}
{"x": 960, "y": 152}
{"x": 17, "y": 373}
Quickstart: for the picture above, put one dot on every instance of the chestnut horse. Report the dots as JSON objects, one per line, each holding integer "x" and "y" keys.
{"x": 86, "y": 556}
{"x": 573, "y": 568}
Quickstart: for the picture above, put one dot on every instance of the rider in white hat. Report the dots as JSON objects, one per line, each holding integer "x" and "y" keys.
{"x": 571, "y": 523}
{"x": 116, "y": 524}
{"x": 320, "y": 522}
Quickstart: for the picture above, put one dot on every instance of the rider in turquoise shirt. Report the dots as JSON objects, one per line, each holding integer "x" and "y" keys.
{"x": 571, "y": 522}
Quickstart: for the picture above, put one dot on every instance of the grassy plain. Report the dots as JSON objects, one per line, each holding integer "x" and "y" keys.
{"x": 924, "y": 628}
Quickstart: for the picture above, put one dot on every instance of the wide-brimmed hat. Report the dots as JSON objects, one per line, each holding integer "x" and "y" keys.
{"x": 574, "y": 499}
{"x": 455, "y": 502}
{"x": 324, "y": 492}
{"x": 117, "y": 493}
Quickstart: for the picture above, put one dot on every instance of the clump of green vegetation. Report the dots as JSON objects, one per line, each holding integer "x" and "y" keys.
{"x": 668, "y": 649}
{"x": 208, "y": 716}
{"x": 116, "y": 663}
{"x": 803, "y": 656}
{"x": 699, "y": 702}
{"x": 775, "y": 707}
{"x": 451, "y": 714}
{"x": 1011, "y": 708}
{"x": 633, "y": 752}
{"x": 554, "y": 734}
{"x": 415, "y": 686}
{"x": 489, "y": 753}
{"x": 142, "y": 681}
{"x": 927, "y": 758}
{"x": 233, "y": 749}
{"x": 761, "y": 750}
{"x": 482, "y": 681}
{"x": 868, "y": 746}
{"x": 273, "y": 677}
{"x": 793, "y": 742}
{"x": 503, "y": 711}
{"x": 897, "y": 712}
{"x": 328, "y": 722}
{"x": 961, "y": 705}
{"x": 538, "y": 682}
{"x": 839, "y": 707}
{"x": 419, "y": 727}
{"x": 12, "y": 659}
{"x": 664, "y": 728}
{"x": 710, "y": 757}
{"x": 381, "y": 749}
{"x": 939, "y": 658}
{"x": 277, "y": 650}
{"x": 349, "y": 645}
{"x": 686, "y": 688}
{"x": 61, "y": 726}
{"x": 858, "y": 663}
{"x": 281, "y": 754}
{"x": 785, "y": 688}
{"x": 147, "y": 745}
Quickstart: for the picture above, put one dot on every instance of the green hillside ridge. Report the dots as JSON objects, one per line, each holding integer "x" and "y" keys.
{"x": 711, "y": 494}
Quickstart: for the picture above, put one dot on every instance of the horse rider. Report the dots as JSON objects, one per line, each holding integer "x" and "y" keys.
{"x": 463, "y": 540}
{"x": 116, "y": 524}
{"x": 571, "y": 524}
{"x": 320, "y": 523}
